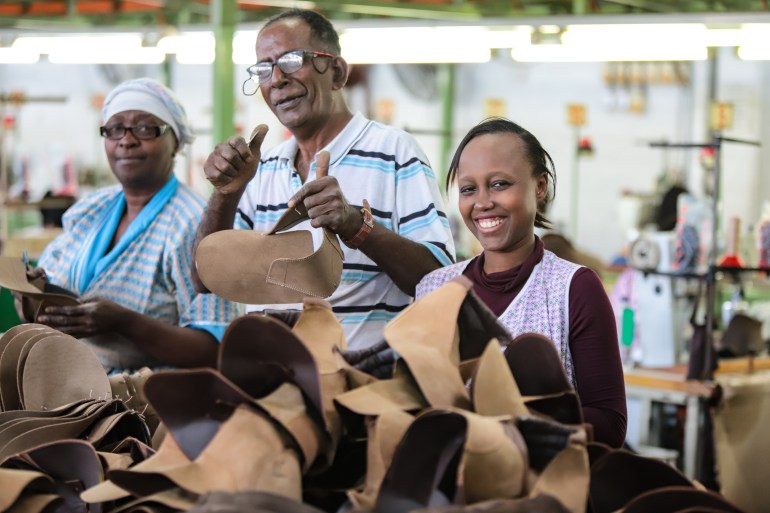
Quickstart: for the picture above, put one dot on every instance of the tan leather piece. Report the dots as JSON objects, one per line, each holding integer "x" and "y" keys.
{"x": 258, "y": 354}
{"x": 39, "y": 503}
{"x": 6, "y": 337}
{"x": 253, "y": 502}
{"x": 567, "y": 478}
{"x": 493, "y": 388}
{"x": 246, "y": 454}
{"x": 270, "y": 267}
{"x": 741, "y": 446}
{"x": 384, "y": 433}
{"x": 383, "y": 396}
{"x": 16, "y": 482}
{"x": 287, "y": 406}
{"x": 321, "y": 332}
{"x": 71, "y": 464}
{"x": 9, "y": 362}
{"x": 425, "y": 335}
{"x": 169, "y": 455}
{"x": 30, "y": 433}
{"x": 47, "y": 380}
{"x": 37, "y": 365}
{"x": 495, "y": 461}
{"x": 130, "y": 389}
{"x": 176, "y": 499}
{"x": 13, "y": 276}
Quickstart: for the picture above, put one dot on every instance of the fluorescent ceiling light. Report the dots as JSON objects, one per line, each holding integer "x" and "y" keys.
{"x": 415, "y": 45}
{"x": 756, "y": 43}
{"x": 724, "y": 37}
{"x": 92, "y": 49}
{"x": 757, "y": 32}
{"x": 244, "y": 47}
{"x": 603, "y": 43}
{"x": 519, "y": 36}
{"x": 644, "y": 34}
{"x": 754, "y": 52}
{"x": 18, "y": 56}
{"x": 627, "y": 35}
{"x": 609, "y": 53}
{"x": 47, "y": 44}
{"x": 190, "y": 48}
{"x": 98, "y": 55}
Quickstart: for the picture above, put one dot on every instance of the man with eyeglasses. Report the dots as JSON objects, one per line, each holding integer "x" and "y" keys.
{"x": 380, "y": 196}
{"x": 125, "y": 250}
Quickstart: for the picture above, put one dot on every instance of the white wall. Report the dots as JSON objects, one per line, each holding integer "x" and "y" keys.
{"x": 535, "y": 95}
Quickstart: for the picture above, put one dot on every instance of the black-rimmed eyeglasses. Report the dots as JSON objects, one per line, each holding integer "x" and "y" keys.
{"x": 288, "y": 63}
{"x": 144, "y": 132}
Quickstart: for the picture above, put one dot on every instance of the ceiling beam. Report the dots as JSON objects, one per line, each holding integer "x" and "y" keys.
{"x": 51, "y": 14}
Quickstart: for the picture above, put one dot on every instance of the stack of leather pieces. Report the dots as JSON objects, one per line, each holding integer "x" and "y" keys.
{"x": 51, "y": 476}
{"x": 452, "y": 427}
{"x": 260, "y": 421}
{"x": 470, "y": 421}
{"x": 60, "y": 426}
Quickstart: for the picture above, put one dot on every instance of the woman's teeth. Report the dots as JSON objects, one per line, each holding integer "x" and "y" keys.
{"x": 489, "y": 223}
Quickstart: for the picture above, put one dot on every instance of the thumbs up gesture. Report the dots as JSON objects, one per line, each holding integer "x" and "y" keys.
{"x": 233, "y": 163}
{"x": 326, "y": 204}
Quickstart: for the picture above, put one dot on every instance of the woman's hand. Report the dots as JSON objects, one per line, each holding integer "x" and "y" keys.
{"x": 91, "y": 318}
{"x": 38, "y": 278}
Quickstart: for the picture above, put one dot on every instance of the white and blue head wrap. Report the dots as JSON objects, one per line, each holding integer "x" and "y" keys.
{"x": 150, "y": 96}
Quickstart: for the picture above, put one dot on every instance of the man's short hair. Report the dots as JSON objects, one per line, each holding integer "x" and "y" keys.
{"x": 320, "y": 27}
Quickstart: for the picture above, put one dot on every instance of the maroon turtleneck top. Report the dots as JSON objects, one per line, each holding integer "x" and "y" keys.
{"x": 593, "y": 339}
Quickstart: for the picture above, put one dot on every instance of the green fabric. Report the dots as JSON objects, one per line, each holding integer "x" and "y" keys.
{"x": 627, "y": 333}
{"x": 8, "y": 316}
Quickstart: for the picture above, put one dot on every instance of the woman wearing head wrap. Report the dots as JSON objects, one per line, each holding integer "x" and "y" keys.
{"x": 126, "y": 249}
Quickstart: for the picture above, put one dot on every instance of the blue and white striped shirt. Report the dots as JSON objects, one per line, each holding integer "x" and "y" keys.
{"x": 152, "y": 275}
{"x": 371, "y": 161}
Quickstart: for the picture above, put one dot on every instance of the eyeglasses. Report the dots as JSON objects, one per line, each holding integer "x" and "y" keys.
{"x": 144, "y": 132}
{"x": 288, "y": 63}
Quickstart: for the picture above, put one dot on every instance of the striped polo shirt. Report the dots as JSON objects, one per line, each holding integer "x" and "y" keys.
{"x": 371, "y": 161}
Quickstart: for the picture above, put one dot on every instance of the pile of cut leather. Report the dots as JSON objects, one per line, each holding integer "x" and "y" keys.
{"x": 470, "y": 421}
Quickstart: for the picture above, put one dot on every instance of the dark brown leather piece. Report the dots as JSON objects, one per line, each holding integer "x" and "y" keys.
{"x": 425, "y": 466}
{"x": 676, "y": 499}
{"x": 258, "y": 353}
{"x": 619, "y": 476}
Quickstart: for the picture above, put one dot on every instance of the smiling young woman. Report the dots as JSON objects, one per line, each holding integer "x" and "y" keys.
{"x": 505, "y": 180}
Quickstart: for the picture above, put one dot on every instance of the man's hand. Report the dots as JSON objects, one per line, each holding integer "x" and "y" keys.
{"x": 233, "y": 163}
{"x": 325, "y": 203}
{"x": 84, "y": 320}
